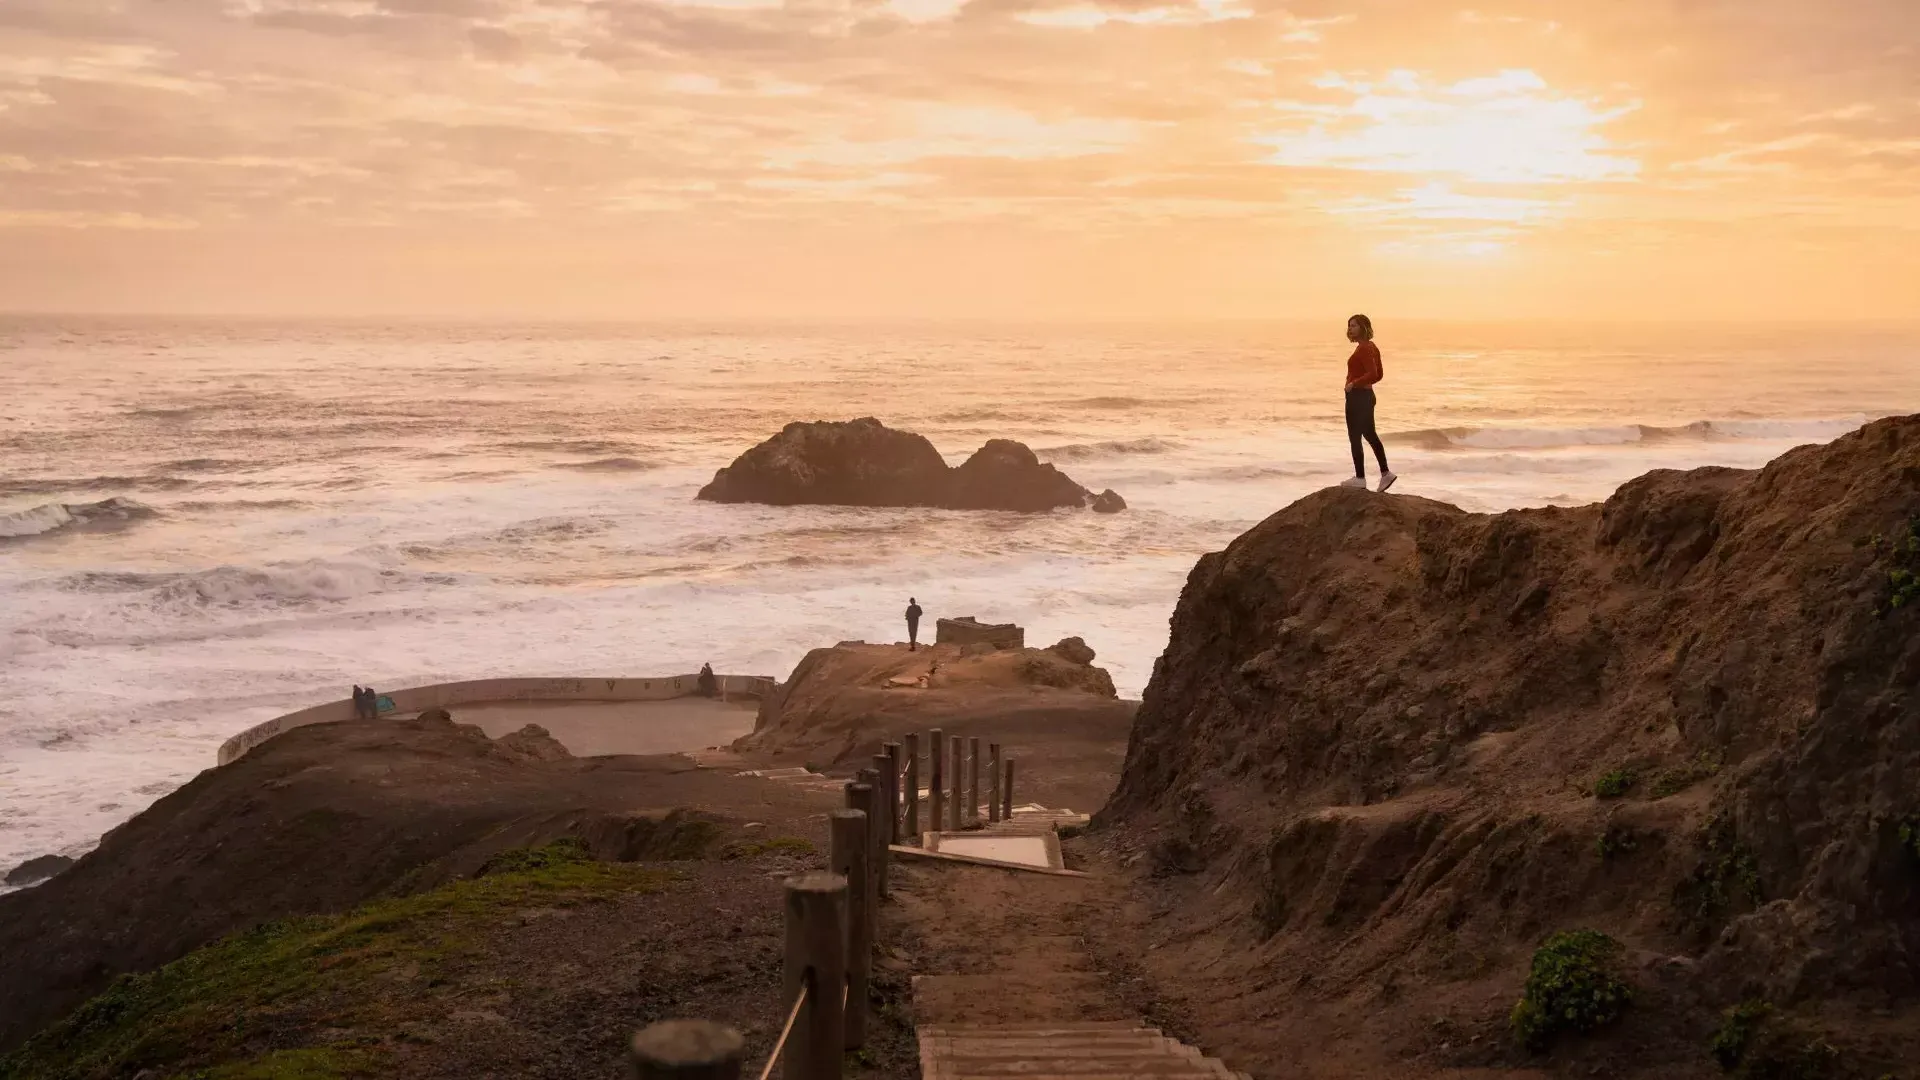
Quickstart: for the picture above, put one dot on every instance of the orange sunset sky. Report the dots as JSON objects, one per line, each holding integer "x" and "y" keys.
{"x": 962, "y": 158}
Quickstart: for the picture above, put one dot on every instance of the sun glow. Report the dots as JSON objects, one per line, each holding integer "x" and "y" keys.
{"x": 1509, "y": 128}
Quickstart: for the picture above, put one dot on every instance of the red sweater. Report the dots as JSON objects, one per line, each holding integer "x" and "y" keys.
{"x": 1363, "y": 367}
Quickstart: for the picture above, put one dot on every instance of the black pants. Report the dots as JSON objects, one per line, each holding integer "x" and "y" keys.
{"x": 1360, "y": 404}
{"x": 913, "y": 631}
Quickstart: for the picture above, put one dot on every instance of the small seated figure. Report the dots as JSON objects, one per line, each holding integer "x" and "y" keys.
{"x": 709, "y": 686}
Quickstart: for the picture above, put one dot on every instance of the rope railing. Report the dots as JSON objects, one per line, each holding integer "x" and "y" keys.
{"x": 832, "y": 917}
{"x": 773, "y": 1056}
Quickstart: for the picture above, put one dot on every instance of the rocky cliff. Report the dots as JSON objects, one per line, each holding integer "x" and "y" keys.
{"x": 865, "y": 463}
{"x": 1392, "y": 744}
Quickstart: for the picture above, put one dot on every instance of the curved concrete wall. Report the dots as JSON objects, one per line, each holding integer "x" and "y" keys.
{"x": 443, "y": 695}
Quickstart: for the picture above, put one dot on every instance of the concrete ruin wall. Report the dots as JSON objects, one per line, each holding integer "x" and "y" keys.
{"x": 479, "y": 691}
{"x": 966, "y": 630}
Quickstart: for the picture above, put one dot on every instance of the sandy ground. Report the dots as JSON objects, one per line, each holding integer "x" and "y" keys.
{"x": 594, "y": 728}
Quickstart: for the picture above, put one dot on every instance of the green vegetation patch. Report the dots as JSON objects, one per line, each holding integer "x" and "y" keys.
{"x": 1901, "y": 556}
{"x": 1570, "y": 988}
{"x": 1910, "y": 837}
{"x": 1617, "y": 840}
{"x": 238, "y": 1009}
{"x": 1728, "y": 873}
{"x": 748, "y": 849}
{"x": 1678, "y": 779}
{"x": 1614, "y": 784}
{"x": 1738, "y": 1026}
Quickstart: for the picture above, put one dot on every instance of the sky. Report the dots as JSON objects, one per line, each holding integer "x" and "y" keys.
{"x": 1626, "y": 159}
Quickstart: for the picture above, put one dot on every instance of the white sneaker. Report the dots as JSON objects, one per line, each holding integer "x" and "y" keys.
{"x": 1386, "y": 481}
{"x": 1355, "y": 482}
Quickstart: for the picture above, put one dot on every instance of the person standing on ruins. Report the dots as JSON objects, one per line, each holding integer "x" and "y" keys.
{"x": 913, "y": 624}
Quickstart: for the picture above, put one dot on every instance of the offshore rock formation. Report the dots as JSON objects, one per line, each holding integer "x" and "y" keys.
{"x": 1391, "y": 745}
{"x": 865, "y": 463}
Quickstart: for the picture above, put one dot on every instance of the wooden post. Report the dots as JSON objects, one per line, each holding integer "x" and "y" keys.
{"x": 993, "y": 781}
{"x": 1006, "y": 804}
{"x": 869, "y": 801}
{"x": 816, "y": 959}
{"x": 937, "y": 750}
{"x": 687, "y": 1050}
{"x": 959, "y": 779}
{"x": 893, "y": 792}
{"x": 973, "y": 782}
{"x": 850, "y": 859}
{"x": 880, "y": 815}
{"x": 913, "y": 788}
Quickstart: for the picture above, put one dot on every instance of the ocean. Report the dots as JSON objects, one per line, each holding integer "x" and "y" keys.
{"x": 204, "y": 524}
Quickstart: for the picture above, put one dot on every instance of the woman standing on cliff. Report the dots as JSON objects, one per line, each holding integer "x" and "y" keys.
{"x": 1363, "y": 371}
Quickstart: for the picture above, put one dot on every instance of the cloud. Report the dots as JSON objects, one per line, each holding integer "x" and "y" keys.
{"x": 1410, "y": 128}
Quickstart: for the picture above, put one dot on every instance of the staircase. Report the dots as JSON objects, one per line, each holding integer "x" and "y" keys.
{"x": 1051, "y": 1015}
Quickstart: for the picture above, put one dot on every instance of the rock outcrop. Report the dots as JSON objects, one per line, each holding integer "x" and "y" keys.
{"x": 840, "y": 703}
{"x": 1073, "y": 649}
{"x": 1391, "y": 745}
{"x": 35, "y": 871}
{"x": 865, "y": 463}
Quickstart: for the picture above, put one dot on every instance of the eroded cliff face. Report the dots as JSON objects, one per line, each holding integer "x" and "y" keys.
{"x": 1372, "y": 745}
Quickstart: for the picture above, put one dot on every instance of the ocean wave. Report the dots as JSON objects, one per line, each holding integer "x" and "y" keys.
{"x": 1110, "y": 448}
{"x": 54, "y": 517}
{"x": 569, "y": 446}
{"x": 1482, "y": 438}
{"x": 238, "y": 586}
{"x": 612, "y": 464}
{"x": 1112, "y": 402}
{"x": 62, "y": 485}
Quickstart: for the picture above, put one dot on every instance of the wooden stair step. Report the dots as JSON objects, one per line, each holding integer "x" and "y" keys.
{"x": 1039, "y": 1030}
{"x": 1078, "y": 1045}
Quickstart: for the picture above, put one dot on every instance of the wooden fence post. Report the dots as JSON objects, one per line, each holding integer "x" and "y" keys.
{"x": 869, "y": 801}
{"x": 973, "y": 782}
{"x": 816, "y": 959}
{"x": 993, "y": 782}
{"x": 893, "y": 792}
{"x": 936, "y": 797}
{"x": 1006, "y": 804}
{"x": 687, "y": 1050}
{"x": 850, "y": 859}
{"x": 913, "y": 788}
{"x": 959, "y": 751}
{"x": 880, "y": 817}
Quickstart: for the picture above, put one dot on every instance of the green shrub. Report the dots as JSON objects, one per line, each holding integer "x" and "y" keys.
{"x": 1910, "y": 837}
{"x": 1738, "y": 1025}
{"x": 1902, "y": 555}
{"x": 1571, "y": 987}
{"x": 1728, "y": 871}
{"x": 566, "y": 851}
{"x": 1675, "y": 780}
{"x": 1614, "y": 784}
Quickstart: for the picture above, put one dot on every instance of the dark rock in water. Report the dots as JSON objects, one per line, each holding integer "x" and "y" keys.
{"x": 441, "y": 715}
{"x": 865, "y": 463}
{"x": 852, "y": 463}
{"x": 1073, "y": 649}
{"x": 1108, "y": 502}
{"x": 1005, "y": 475}
{"x": 35, "y": 871}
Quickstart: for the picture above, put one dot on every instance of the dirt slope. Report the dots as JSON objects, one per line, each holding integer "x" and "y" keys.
{"x": 1359, "y": 790}
{"x": 326, "y": 817}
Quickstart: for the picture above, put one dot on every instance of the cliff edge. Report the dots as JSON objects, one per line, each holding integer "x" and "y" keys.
{"x": 1392, "y": 745}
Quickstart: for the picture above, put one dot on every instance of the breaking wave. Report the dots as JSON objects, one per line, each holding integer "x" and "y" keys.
{"x": 54, "y": 517}
{"x": 1464, "y": 438}
{"x": 612, "y": 464}
{"x": 1113, "y": 448}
